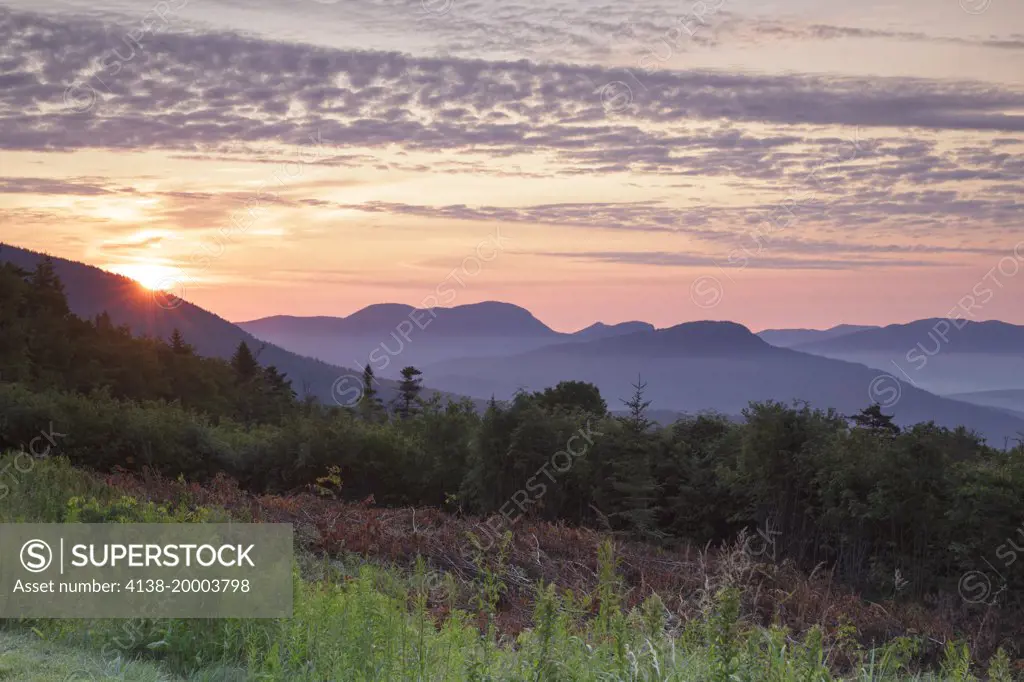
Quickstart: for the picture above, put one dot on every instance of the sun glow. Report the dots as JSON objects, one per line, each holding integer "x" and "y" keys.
{"x": 152, "y": 276}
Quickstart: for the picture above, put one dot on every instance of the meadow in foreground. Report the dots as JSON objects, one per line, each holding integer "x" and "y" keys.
{"x": 359, "y": 619}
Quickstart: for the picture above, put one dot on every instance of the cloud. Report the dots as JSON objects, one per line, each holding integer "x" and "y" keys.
{"x": 896, "y": 156}
{"x": 51, "y": 186}
{"x": 689, "y": 260}
{"x": 217, "y": 91}
{"x": 880, "y": 210}
{"x": 741, "y": 29}
{"x": 132, "y": 246}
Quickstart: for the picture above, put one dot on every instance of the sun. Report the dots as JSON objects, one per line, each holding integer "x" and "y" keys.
{"x": 152, "y": 276}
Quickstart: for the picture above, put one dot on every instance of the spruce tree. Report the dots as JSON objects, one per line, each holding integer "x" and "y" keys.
{"x": 48, "y": 290}
{"x": 245, "y": 365}
{"x": 873, "y": 419}
{"x": 178, "y": 345}
{"x": 637, "y": 420}
{"x": 369, "y": 403}
{"x": 50, "y": 349}
{"x": 409, "y": 390}
{"x": 247, "y": 397}
{"x": 633, "y": 491}
{"x": 15, "y": 330}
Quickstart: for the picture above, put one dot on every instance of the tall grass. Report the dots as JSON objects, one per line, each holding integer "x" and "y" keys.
{"x": 375, "y": 623}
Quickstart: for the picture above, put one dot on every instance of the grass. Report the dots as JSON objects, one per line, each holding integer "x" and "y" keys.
{"x": 24, "y": 656}
{"x": 361, "y": 621}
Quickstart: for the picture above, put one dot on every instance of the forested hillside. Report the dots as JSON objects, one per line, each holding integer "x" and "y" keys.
{"x": 92, "y": 292}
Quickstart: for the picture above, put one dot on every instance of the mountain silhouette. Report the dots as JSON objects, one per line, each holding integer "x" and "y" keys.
{"x": 718, "y": 366}
{"x": 788, "y": 338}
{"x": 600, "y": 330}
{"x": 1007, "y": 399}
{"x": 390, "y": 336}
{"x": 91, "y": 291}
{"x": 487, "y": 319}
{"x": 939, "y": 355}
{"x": 962, "y": 336}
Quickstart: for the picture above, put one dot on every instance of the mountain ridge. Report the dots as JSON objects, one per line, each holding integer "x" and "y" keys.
{"x": 716, "y": 366}
{"x": 787, "y": 338}
{"x": 91, "y": 290}
{"x": 956, "y": 336}
{"x": 469, "y": 319}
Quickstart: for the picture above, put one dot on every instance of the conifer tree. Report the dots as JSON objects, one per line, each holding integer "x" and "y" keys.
{"x": 633, "y": 491}
{"x": 369, "y": 403}
{"x": 245, "y": 365}
{"x": 873, "y": 419}
{"x": 48, "y": 290}
{"x": 50, "y": 346}
{"x": 178, "y": 345}
{"x": 409, "y": 390}
{"x": 637, "y": 420}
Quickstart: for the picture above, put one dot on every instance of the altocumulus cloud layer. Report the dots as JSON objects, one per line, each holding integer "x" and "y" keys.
{"x": 868, "y": 155}
{"x": 223, "y": 88}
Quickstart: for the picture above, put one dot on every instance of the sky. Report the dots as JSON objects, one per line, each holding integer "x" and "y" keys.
{"x": 780, "y": 164}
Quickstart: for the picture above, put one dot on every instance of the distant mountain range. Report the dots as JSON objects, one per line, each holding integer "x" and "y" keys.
{"x": 1011, "y": 400}
{"x": 476, "y": 320}
{"x": 600, "y": 330}
{"x": 938, "y": 355}
{"x": 494, "y": 348}
{"x": 787, "y": 338}
{"x": 389, "y": 336}
{"x": 719, "y": 366}
{"x": 932, "y": 336}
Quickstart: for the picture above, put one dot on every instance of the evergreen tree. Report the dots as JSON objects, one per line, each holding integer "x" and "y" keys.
{"x": 409, "y": 390}
{"x": 178, "y": 345}
{"x": 631, "y": 491}
{"x": 277, "y": 383}
{"x": 51, "y": 346}
{"x": 15, "y": 363}
{"x": 637, "y": 420}
{"x": 369, "y": 404}
{"x": 277, "y": 398}
{"x": 245, "y": 365}
{"x": 873, "y": 419}
{"x": 103, "y": 322}
{"x": 48, "y": 290}
{"x": 248, "y": 401}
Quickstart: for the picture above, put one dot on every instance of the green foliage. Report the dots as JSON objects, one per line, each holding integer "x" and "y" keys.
{"x": 873, "y": 419}
{"x": 571, "y": 396}
{"x": 370, "y": 406}
{"x": 25, "y": 657}
{"x": 104, "y": 433}
{"x": 375, "y": 623}
{"x": 126, "y": 509}
{"x": 609, "y": 591}
{"x": 409, "y": 391}
{"x": 957, "y": 663}
{"x": 244, "y": 364}
{"x": 999, "y": 668}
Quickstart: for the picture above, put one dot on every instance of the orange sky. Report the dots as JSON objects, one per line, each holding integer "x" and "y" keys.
{"x": 807, "y": 167}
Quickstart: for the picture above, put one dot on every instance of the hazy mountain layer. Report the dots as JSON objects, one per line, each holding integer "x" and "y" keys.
{"x": 719, "y": 366}
{"x": 787, "y": 338}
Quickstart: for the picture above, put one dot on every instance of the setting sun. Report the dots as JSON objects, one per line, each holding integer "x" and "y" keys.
{"x": 150, "y": 275}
